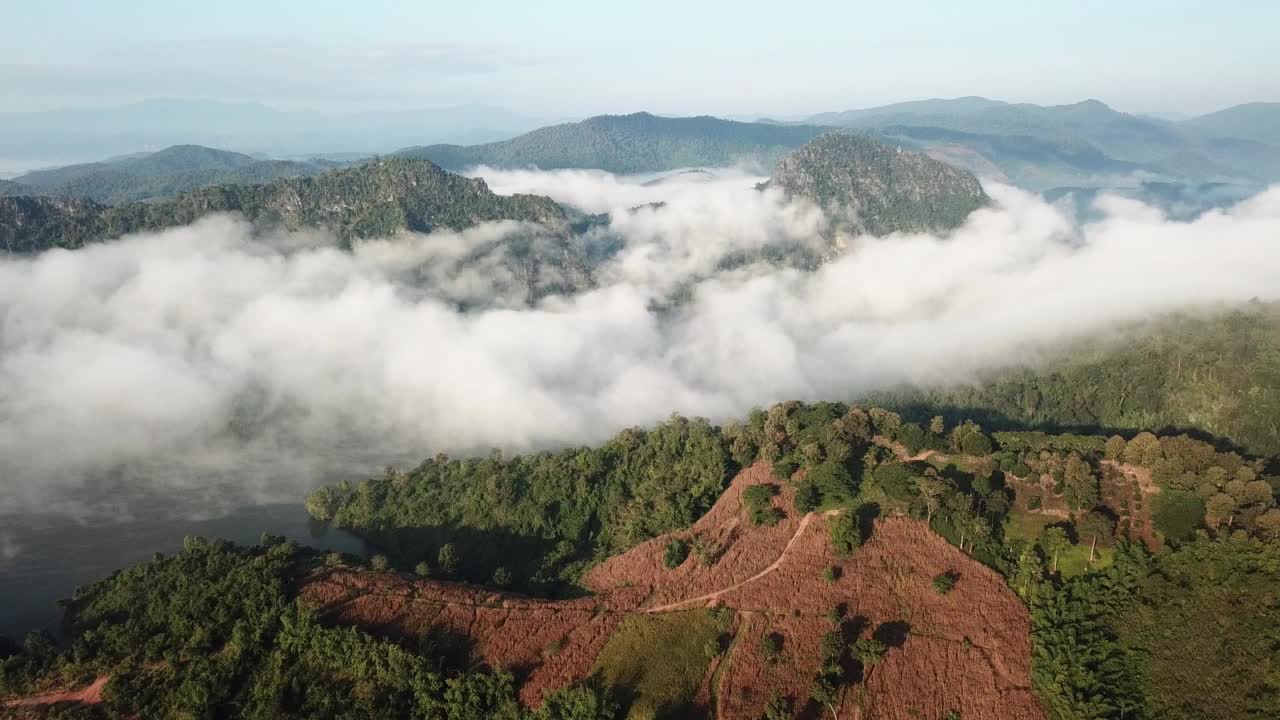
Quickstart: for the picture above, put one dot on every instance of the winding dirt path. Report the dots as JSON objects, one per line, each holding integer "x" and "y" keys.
{"x": 804, "y": 523}
{"x": 90, "y": 694}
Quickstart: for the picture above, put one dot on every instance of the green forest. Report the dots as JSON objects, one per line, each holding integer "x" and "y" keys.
{"x": 1117, "y": 544}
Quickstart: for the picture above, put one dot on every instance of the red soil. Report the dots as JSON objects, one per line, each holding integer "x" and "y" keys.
{"x": 90, "y": 694}
{"x": 968, "y": 650}
{"x": 547, "y": 643}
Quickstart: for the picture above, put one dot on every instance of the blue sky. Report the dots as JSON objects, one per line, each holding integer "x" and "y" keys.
{"x": 565, "y": 59}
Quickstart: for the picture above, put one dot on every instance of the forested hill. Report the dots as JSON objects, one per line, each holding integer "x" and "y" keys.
{"x": 1216, "y": 373}
{"x": 639, "y": 142}
{"x": 868, "y": 185}
{"x": 161, "y": 175}
{"x": 377, "y": 199}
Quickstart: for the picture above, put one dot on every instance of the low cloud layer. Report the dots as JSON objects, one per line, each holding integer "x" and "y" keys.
{"x": 208, "y": 357}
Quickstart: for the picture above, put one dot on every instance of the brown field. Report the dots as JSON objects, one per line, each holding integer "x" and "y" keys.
{"x": 90, "y": 694}
{"x": 967, "y": 651}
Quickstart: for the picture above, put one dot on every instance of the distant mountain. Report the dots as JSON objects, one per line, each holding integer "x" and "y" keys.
{"x": 373, "y": 200}
{"x": 1092, "y": 133}
{"x": 937, "y": 106}
{"x": 874, "y": 187}
{"x": 1029, "y": 162}
{"x": 1122, "y": 136}
{"x": 9, "y": 187}
{"x": 634, "y": 143}
{"x": 76, "y": 134}
{"x": 1259, "y": 121}
{"x": 164, "y": 174}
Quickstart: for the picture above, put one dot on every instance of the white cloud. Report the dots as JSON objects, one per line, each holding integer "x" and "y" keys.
{"x": 205, "y": 354}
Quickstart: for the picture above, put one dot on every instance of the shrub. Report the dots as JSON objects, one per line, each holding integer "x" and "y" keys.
{"x": 785, "y": 468}
{"x": 1034, "y": 502}
{"x": 676, "y": 552}
{"x": 771, "y": 646}
{"x": 502, "y": 577}
{"x": 447, "y": 559}
{"x": 378, "y": 562}
{"x": 422, "y": 569}
{"x": 944, "y": 583}
{"x": 830, "y": 574}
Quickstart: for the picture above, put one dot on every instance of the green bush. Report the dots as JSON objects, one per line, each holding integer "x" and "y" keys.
{"x": 675, "y": 553}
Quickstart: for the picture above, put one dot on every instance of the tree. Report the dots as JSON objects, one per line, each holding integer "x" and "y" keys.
{"x": 932, "y": 490}
{"x": 846, "y": 536}
{"x": 422, "y": 569}
{"x": 1114, "y": 449}
{"x": 1053, "y": 541}
{"x": 447, "y": 560}
{"x": 1080, "y": 483}
{"x": 586, "y": 701}
{"x": 870, "y": 652}
{"x": 937, "y": 425}
{"x": 807, "y": 498}
{"x": 1143, "y": 449}
{"x": 911, "y": 436}
{"x": 1177, "y": 514}
{"x": 1269, "y": 523}
{"x": 976, "y": 444}
{"x": 1097, "y": 526}
{"x": 1219, "y": 508}
{"x": 1028, "y": 574}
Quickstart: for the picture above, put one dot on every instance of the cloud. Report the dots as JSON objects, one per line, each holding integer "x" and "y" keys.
{"x": 207, "y": 359}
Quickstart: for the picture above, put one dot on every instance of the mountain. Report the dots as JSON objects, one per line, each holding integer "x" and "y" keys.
{"x": 1122, "y": 136}
{"x": 639, "y": 142}
{"x": 1033, "y": 163}
{"x": 879, "y": 188}
{"x": 936, "y": 106}
{"x": 71, "y": 135}
{"x": 1259, "y": 121}
{"x": 164, "y": 174}
{"x": 9, "y": 187}
{"x": 376, "y": 199}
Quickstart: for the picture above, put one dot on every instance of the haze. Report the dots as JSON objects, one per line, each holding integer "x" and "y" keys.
{"x": 560, "y": 60}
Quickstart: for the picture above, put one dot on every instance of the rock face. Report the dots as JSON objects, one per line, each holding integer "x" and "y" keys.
{"x": 865, "y": 185}
{"x": 374, "y": 200}
{"x": 378, "y": 199}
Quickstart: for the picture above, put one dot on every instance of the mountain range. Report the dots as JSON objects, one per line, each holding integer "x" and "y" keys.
{"x": 36, "y": 139}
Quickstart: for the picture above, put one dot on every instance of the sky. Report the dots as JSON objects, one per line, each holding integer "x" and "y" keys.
{"x": 562, "y": 59}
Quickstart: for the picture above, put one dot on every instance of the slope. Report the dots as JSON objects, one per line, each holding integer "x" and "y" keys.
{"x": 942, "y": 654}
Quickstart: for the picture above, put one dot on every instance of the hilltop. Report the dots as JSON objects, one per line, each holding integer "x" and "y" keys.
{"x": 639, "y": 142}
{"x": 163, "y": 174}
{"x": 812, "y": 559}
{"x": 868, "y": 185}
